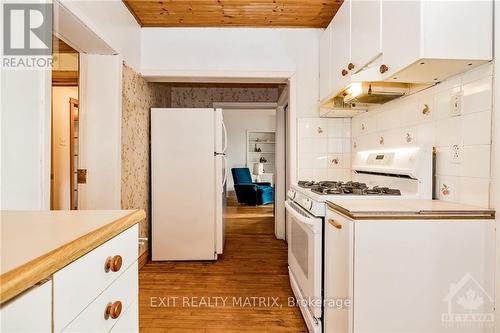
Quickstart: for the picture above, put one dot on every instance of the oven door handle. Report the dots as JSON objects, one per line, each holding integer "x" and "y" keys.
{"x": 292, "y": 209}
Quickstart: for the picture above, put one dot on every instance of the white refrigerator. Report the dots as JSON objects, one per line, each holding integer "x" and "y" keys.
{"x": 188, "y": 176}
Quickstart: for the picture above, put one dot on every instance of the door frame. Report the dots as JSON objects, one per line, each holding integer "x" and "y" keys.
{"x": 279, "y": 155}
{"x": 282, "y": 164}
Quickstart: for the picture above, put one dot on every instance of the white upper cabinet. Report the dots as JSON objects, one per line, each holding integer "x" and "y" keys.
{"x": 341, "y": 48}
{"x": 410, "y": 41}
{"x": 325, "y": 60}
{"x": 401, "y": 34}
{"x": 366, "y": 31}
{"x": 428, "y": 41}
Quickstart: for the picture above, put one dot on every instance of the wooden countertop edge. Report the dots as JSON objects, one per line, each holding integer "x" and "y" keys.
{"x": 482, "y": 215}
{"x": 24, "y": 277}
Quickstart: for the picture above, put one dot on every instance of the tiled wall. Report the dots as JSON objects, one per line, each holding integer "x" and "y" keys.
{"x": 138, "y": 97}
{"x": 324, "y": 149}
{"x": 425, "y": 119}
{"x": 202, "y": 97}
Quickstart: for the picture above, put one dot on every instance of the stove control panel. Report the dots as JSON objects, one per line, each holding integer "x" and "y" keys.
{"x": 306, "y": 203}
{"x": 291, "y": 194}
{"x": 381, "y": 158}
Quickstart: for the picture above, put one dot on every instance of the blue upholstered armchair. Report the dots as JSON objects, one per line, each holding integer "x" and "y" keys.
{"x": 251, "y": 193}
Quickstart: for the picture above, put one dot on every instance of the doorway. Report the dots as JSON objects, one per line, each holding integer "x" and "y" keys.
{"x": 251, "y": 153}
{"x": 65, "y": 126}
{"x": 254, "y": 261}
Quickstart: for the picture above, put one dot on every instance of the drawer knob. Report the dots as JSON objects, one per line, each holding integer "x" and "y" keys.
{"x": 344, "y": 72}
{"x": 350, "y": 66}
{"x": 113, "y": 263}
{"x": 113, "y": 310}
{"x": 383, "y": 69}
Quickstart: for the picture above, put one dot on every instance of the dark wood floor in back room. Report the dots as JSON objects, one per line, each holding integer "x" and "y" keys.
{"x": 254, "y": 264}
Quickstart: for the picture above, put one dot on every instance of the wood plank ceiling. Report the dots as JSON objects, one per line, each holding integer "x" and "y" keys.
{"x": 234, "y": 13}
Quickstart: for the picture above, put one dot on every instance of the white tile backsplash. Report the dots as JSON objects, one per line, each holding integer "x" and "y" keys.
{"x": 476, "y": 128}
{"x": 477, "y": 95}
{"x": 336, "y": 128}
{"x": 324, "y": 148}
{"x": 335, "y": 145}
{"x": 319, "y": 145}
{"x": 466, "y": 180}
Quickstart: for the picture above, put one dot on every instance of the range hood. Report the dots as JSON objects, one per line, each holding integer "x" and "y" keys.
{"x": 366, "y": 90}
{"x": 359, "y": 97}
{"x": 374, "y": 92}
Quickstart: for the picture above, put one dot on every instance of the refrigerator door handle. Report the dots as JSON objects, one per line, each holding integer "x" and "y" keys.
{"x": 225, "y": 136}
{"x": 225, "y": 171}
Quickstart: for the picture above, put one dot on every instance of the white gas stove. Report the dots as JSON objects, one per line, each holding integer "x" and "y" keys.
{"x": 314, "y": 202}
{"x": 398, "y": 174}
{"x": 404, "y": 173}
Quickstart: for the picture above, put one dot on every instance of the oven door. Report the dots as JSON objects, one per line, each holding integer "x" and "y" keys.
{"x": 305, "y": 256}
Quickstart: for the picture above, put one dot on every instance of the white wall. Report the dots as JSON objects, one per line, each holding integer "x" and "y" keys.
{"x": 238, "y": 122}
{"x": 207, "y": 50}
{"x": 25, "y": 139}
{"x": 240, "y": 53}
{"x": 113, "y": 23}
{"x": 100, "y": 131}
{"x": 61, "y": 142}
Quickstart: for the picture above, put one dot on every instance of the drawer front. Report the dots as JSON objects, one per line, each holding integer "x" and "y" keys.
{"x": 79, "y": 283}
{"x": 129, "y": 322}
{"x": 92, "y": 319}
{"x": 29, "y": 312}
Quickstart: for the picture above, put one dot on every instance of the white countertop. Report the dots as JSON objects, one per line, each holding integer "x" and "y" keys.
{"x": 34, "y": 244}
{"x": 364, "y": 208}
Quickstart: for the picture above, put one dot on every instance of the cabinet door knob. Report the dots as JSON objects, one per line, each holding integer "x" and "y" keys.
{"x": 335, "y": 223}
{"x": 113, "y": 310}
{"x": 344, "y": 72}
{"x": 113, "y": 263}
{"x": 383, "y": 69}
{"x": 350, "y": 66}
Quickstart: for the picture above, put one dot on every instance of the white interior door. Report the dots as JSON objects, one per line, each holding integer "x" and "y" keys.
{"x": 100, "y": 131}
{"x": 183, "y": 184}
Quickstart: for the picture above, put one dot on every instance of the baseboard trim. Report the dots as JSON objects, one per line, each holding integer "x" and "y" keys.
{"x": 143, "y": 259}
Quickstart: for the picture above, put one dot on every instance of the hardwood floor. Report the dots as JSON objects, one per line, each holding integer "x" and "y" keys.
{"x": 224, "y": 296}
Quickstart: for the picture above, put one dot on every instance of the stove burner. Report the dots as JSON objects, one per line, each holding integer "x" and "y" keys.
{"x": 346, "y": 188}
{"x": 307, "y": 184}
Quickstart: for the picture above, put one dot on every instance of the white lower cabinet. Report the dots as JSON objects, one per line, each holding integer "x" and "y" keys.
{"x": 79, "y": 283}
{"x": 29, "y": 312}
{"x": 96, "y": 293}
{"x": 338, "y": 273}
{"x": 409, "y": 275}
{"x": 104, "y": 312}
{"x": 93, "y": 293}
{"x": 129, "y": 322}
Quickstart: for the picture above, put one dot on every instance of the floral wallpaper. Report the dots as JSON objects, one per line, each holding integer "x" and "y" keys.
{"x": 200, "y": 97}
{"x": 138, "y": 97}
